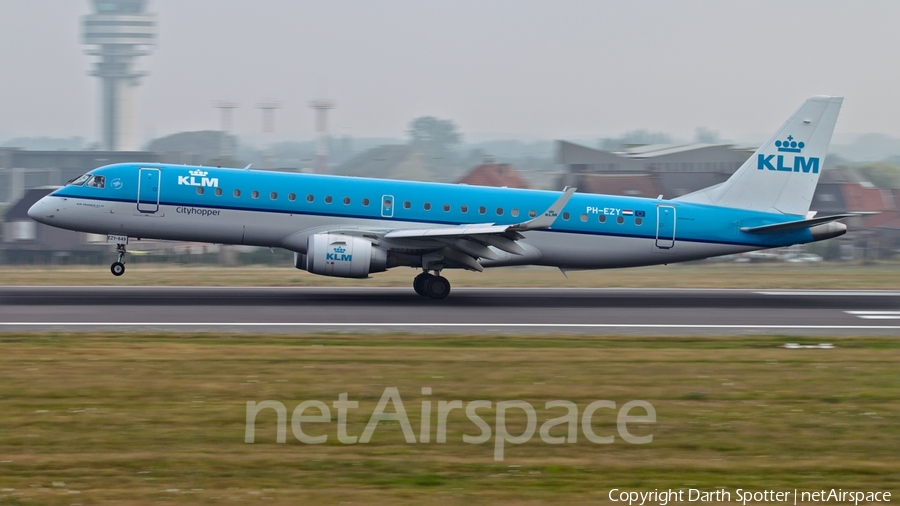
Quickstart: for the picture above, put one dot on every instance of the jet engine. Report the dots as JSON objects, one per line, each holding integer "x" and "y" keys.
{"x": 341, "y": 256}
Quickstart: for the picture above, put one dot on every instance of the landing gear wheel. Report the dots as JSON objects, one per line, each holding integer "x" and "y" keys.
{"x": 117, "y": 268}
{"x": 437, "y": 287}
{"x": 419, "y": 283}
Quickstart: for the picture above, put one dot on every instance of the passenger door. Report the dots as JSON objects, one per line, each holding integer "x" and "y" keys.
{"x": 665, "y": 227}
{"x": 148, "y": 190}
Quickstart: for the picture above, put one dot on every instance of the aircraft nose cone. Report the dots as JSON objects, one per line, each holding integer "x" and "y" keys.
{"x": 40, "y": 211}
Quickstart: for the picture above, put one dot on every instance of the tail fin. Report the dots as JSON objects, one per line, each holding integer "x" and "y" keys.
{"x": 782, "y": 174}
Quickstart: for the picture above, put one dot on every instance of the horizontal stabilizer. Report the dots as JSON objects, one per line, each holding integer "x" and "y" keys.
{"x": 799, "y": 224}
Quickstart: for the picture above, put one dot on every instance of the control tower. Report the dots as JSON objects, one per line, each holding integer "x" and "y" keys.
{"x": 321, "y": 107}
{"x": 119, "y": 31}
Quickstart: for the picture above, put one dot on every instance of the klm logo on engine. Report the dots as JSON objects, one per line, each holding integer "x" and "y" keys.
{"x": 339, "y": 255}
{"x": 798, "y": 164}
{"x": 198, "y": 178}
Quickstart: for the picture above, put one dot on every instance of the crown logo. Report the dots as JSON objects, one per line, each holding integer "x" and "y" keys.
{"x": 339, "y": 250}
{"x": 789, "y": 145}
{"x": 198, "y": 173}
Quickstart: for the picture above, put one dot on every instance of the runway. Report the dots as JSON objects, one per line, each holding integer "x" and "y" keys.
{"x": 467, "y": 310}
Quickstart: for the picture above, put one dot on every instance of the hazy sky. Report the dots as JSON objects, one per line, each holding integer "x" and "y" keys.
{"x": 534, "y": 69}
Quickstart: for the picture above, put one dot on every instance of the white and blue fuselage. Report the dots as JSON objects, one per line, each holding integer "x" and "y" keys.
{"x": 270, "y": 209}
{"x": 327, "y": 220}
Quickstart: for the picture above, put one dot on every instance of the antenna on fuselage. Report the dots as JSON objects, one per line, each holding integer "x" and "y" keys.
{"x": 248, "y": 167}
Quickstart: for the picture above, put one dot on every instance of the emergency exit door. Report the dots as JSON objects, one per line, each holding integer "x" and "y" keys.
{"x": 387, "y": 206}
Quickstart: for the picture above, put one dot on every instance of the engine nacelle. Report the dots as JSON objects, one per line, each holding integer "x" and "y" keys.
{"x": 341, "y": 255}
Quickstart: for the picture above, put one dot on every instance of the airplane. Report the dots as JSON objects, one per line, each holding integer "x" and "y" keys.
{"x": 352, "y": 227}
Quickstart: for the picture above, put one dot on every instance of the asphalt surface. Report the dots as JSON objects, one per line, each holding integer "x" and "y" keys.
{"x": 466, "y": 310}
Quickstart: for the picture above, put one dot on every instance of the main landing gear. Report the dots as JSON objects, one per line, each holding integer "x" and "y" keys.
{"x": 118, "y": 267}
{"x": 432, "y": 285}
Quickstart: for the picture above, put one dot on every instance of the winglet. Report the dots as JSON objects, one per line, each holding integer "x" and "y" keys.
{"x": 549, "y": 217}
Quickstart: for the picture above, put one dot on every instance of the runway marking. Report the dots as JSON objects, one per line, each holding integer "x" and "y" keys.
{"x": 836, "y": 293}
{"x": 444, "y": 325}
{"x": 875, "y": 315}
{"x": 776, "y": 292}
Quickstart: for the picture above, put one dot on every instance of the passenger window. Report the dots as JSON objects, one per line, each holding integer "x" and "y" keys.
{"x": 583, "y": 217}
{"x": 566, "y": 216}
{"x": 532, "y": 213}
{"x": 427, "y": 206}
{"x": 499, "y": 211}
{"x": 346, "y": 201}
{"x": 273, "y": 196}
{"x": 514, "y": 212}
{"x": 199, "y": 190}
{"x": 638, "y": 221}
{"x": 482, "y": 210}
{"x": 96, "y": 182}
{"x": 237, "y": 193}
{"x": 406, "y": 205}
{"x": 218, "y": 192}
{"x": 254, "y": 194}
{"x": 328, "y": 199}
{"x": 310, "y": 198}
{"x": 463, "y": 208}
{"x": 602, "y": 218}
{"x": 446, "y": 208}
{"x": 620, "y": 220}
{"x": 292, "y": 197}
{"x": 365, "y": 202}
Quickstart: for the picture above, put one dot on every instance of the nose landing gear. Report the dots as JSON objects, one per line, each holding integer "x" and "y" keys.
{"x": 118, "y": 267}
{"x": 434, "y": 286}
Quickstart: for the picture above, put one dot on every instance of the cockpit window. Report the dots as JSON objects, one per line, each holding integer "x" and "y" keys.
{"x": 96, "y": 182}
{"x": 78, "y": 181}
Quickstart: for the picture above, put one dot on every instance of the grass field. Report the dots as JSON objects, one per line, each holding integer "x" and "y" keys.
{"x": 698, "y": 275}
{"x": 160, "y": 418}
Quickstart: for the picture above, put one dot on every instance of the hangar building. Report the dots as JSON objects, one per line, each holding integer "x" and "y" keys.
{"x": 650, "y": 170}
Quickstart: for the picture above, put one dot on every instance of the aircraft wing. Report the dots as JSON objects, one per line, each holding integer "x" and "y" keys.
{"x": 463, "y": 230}
{"x": 464, "y": 245}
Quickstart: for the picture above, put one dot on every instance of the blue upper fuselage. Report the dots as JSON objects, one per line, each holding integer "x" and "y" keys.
{"x": 215, "y": 188}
